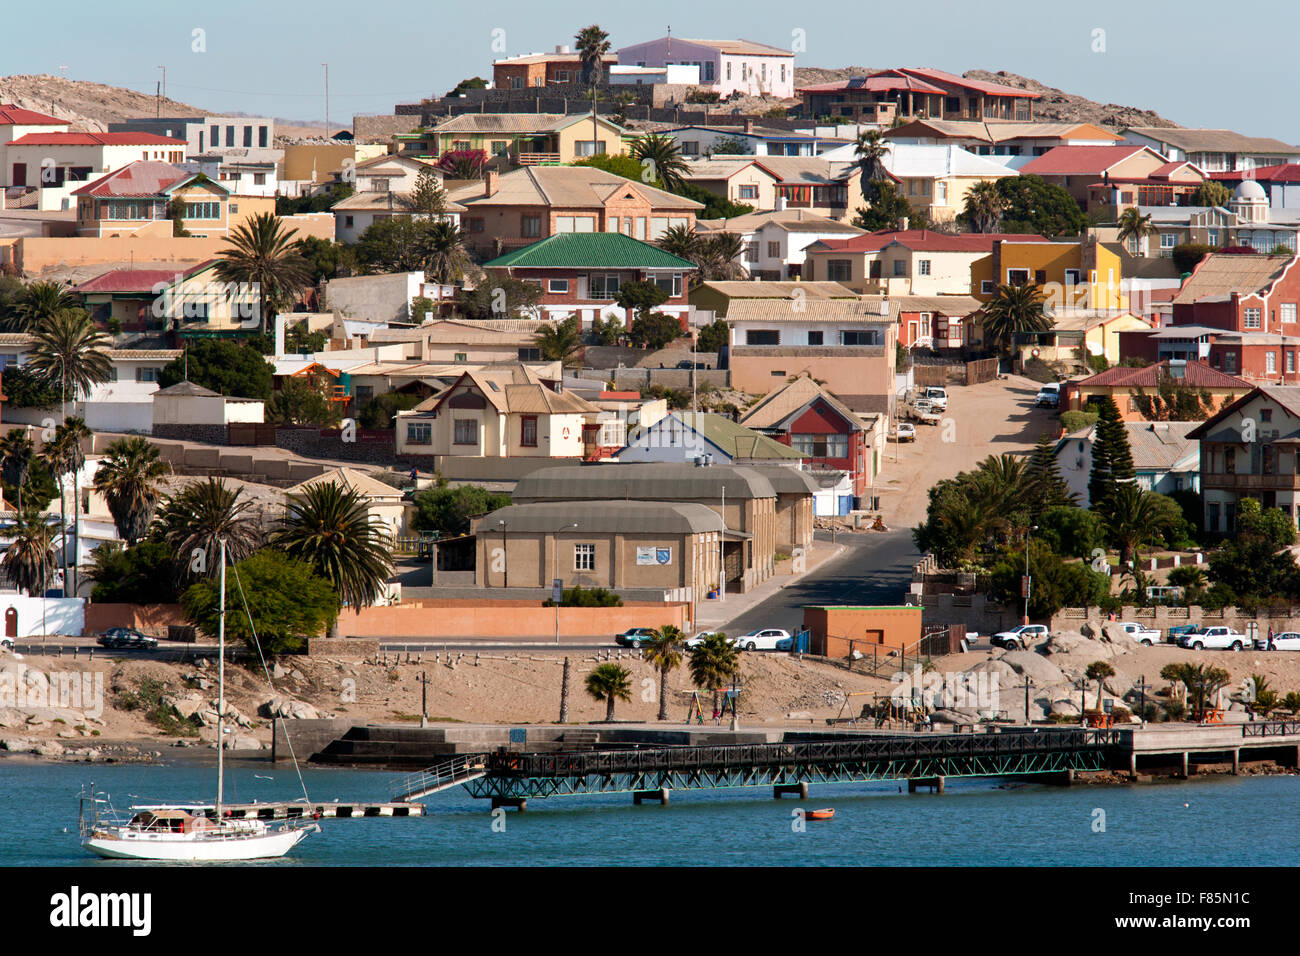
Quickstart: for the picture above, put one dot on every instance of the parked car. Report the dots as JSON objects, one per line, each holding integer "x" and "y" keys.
{"x": 688, "y": 364}
{"x": 1146, "y": 636}
{"x": 1177, "y": 631}
{"x": 1049, "y": 396}
{"x": 126, "y": 638}
{"x": 1286, "y": 641}
{"x": 906, "y": 432}
{"x": 923, "y": 411}
{"x": 1019, "y": 637}
{"x": 765, "y": 639}
{"x": 698, "y": 639}
{"x": 1217, "y": 638}
{"x": 636, "y": 636}
{"x": 937, "y": 397}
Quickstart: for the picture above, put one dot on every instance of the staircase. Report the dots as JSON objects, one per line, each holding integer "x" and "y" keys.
{"x": 579, "y": 739}
{"x": 388, "y": 748}
{"x": 450, "y": 773}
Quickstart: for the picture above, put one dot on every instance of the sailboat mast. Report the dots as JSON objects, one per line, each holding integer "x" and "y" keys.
{"x": 221, "y": 681}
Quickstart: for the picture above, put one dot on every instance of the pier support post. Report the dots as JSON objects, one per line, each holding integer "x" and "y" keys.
{"x": 517, "y": 803}
{"x": 1236, "y": 760}
{"x": 659, "y": 796}
{"x": 1184, "y": 764}
{"x": 798, "y": 789}
{"x": 934, "y": 783}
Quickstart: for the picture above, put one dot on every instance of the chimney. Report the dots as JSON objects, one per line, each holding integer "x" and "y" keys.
{"x": 902, "y": 223}
{"x": 780, "y": 203}
{"x": 561, "y": 48}
{"x": 749, "y": 124}
{"x": 491, "y": 182}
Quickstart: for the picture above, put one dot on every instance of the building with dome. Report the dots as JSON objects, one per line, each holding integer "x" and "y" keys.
{"x": 1259, "y": 226}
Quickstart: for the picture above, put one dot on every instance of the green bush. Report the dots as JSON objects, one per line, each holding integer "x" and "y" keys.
{"x": 579, "y": 596}
{"x": 158, "y": 709}
{"x": 1078, "y": 421}
{"x": 1070, "y": 531}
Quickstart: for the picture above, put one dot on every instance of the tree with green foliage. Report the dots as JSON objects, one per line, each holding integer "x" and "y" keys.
{"x": 1071, "y": 531}
{"x": 973, "y": 510}
{"x": 226, "y": 366}
{"x": 287, "y": 601}
{"x": 17, "y": 454}
{"x": 1099, "y": 671}
{"x": 1187, "y": 255}
{"x": 559, "y": 341}
{"x": 655, "y": 330}
{"x": 1272, "y": 524}
{"x": 471, "y": 83}
{"x": 327, "y": 259}
{"x": 39, "y": 301}
{"x": 316, "y": 202}
{"x": 300, "y": 340}
{"x": 1057, "y": 583}
{"x": 427, "y": 195}
{"x": 1033, "y": 205}
{"x": 29, "y": 561}
{"x": 1132, "y": 518}
{"x": 397, "y": 243}
{"x": 622, "y": 164}
{"x": 715, "y": 206}
{"x": 606, "y": 331}
{"x": 1203, "y": 682}
{"x": 984, "y": 206}
{"x": 305, "y": 400}
{"x": 607, "y": 684}
{"x": 639, "y": 297}
{"x": 578, "y": 596}
{"x": 871, "y": 148}
{"x": 70, "y": 353}
{"x": 1251, "y": 563}
{"x": 11, "y": 293}
{"x": 381, "y": 411}
{"x": 1211, "y": 193}
{"x": 141, "y": 574}
{"x": 1077, "y": 421}
{"x": 1174, "y": 401}
{"x": 713, "y": 663}
{"x": 128, "y": 478}
{"x": 713, "y": 337}
{"x": 664, "y": 654}
{"x": 1044, "y": 487}
{"x": 660, "y": 157}
{"x": 64, "y": 457}
{"x": 1112, "y": 458}
{"x": 448, "y": 510}
{"x": 194, "y": 520}
{"x": 498, "y": 297}
{"x": 263, "y": 255}
{"x": 1136, "y": 226}
{"x": 1012, "y": 310}
{"x": 886, "y": 208}
{"x": 25, "y": 389}
{"x": 728, "y": 146}
{"x": 592, "y": 43}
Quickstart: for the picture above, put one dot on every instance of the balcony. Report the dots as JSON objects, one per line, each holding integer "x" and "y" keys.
{"x": 539, "y": 159}
{"x": 1243, "y": 484}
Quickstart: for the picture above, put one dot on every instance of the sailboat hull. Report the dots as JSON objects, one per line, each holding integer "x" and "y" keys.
{"x": 122, "y": 844}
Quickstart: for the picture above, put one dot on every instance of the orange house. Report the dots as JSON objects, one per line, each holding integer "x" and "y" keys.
{"x": 838, "y": 631}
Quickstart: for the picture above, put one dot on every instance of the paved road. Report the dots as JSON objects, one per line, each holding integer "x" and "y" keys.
{"x": 874, "y": 569}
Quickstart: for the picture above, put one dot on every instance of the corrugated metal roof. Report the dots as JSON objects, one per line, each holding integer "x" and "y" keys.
{"x": 605, "y": 250}
{"x": 352, "y": 480}
{"x": 577, "y": 187}
{"x": 865, "y": 309}
{"x": 11, "y": 115}
{"x": 779, "y": 404}
{"x": 605, "y": 517}
{"x": 643, "y": 481}
{"x": 1220, "y": 274}
{"x": 1223, "y": 140}
{"x": 732, "y": 439}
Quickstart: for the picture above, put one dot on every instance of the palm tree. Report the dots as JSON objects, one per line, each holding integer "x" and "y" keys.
{"x": 31, "y": 557}
{"x": 608, "y": 683}
{"x": 64, "y": 456}
{"x": 680, "y": 241}
{"x": 194, "y": 520}
{"x": 16, "y": 454}
{"x": 592, "y": 44}
{"x": 264, "y": 255}
{"x": 446, "y": 260}
{"x": 38, "y": 302}
{"x": 71, "y": 351}
{"x": 719, "y": 256}
{"x": 1132, "y": 519}
{"x": 713, "y": 662}
{"x": 1099, "y": 671}
{"x": 559, "y": 341}
{"x": 329, "y": 527}
{"x": 984, "y": 206}
{"x": 870, "y": 149}
{"x": 665, "y": 652}
{"x": 128, "y": 479}
{"x": 1014, "y": 308}
{"x": 661, "y": 157}
{"x": 1134, "y": 225}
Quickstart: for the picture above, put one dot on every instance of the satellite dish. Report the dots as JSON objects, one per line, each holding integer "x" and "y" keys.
{"x": 1035, "y": 353}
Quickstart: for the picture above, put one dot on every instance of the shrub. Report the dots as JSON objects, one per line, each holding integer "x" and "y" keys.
{"x": 1078, "y": 421}
{"x": 578, "y": 596}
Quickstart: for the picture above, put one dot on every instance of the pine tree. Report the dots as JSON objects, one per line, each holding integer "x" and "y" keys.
{"x": 1112, "y": 458}
{"x": 1044, "y": 486}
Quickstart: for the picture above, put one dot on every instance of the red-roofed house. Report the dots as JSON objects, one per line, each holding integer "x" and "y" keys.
{"x": 142, "y": 197}
{"x": 1169, "y": 185}
{"x": 1281, "y": 183}
{"x": 15, "y": 123}
{"x": 904, "y": 262}
{"x": 1076, "y": 168}
{"x": 1122, "y": 382}
{"x": 916, "y": 92}
{"x": 189, "y": 302}
{"x": 56, "y": 162}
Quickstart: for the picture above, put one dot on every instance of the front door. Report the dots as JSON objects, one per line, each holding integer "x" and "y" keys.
{"x": 11, "y": 622}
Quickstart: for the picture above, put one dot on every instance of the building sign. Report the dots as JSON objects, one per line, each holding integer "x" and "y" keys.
{"x": 654, "y": 556}
{"x": 557, "y": 590}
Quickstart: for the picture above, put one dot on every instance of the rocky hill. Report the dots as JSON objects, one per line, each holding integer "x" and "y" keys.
{"x": 87, "y": 106}
{"x": 1055, "y": 105}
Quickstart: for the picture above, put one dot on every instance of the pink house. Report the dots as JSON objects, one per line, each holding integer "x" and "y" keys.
{"x": 726, "y": 66}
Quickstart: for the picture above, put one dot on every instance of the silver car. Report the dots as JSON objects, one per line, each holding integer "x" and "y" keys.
{"x": 1285, "y": 641}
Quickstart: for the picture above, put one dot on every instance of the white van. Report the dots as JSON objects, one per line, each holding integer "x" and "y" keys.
{"x": 937, "y": 397}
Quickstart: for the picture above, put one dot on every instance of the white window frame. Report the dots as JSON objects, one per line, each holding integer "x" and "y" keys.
{"x": 584, "y": 557}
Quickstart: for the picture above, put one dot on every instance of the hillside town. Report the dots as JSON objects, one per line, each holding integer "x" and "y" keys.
{"x": 652, "y": 354}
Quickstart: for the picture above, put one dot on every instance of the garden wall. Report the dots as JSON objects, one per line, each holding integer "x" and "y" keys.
{"x": 529, "y": 619}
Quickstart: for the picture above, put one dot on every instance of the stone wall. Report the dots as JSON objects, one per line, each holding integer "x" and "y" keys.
{"x": 372, "y": 446}
{"x": 349, "y": 647}
{"x": 636, "y": 378}
{"x": 208, "y": 434}
{"x": 381, "y": 126}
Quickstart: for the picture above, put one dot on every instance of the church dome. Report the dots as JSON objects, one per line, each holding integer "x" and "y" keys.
{"x": 1249, "y": 189}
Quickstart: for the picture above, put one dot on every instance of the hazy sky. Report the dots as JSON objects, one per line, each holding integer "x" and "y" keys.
{"x": 1196, "y": 63}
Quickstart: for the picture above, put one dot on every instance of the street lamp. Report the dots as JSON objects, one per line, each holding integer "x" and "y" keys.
{"x": 505, "y": 555}
{"x": 558, "y": 597}
{"x": 1028, "y": 582}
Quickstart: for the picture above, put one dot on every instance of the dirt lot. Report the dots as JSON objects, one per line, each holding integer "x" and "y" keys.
{"x": 991, "y": 418}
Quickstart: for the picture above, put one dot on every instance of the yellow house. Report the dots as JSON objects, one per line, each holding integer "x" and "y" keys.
{"x": 531, "y": 139}
{"x": 1081, "y": 275}
{"x": 1075, "y": 336}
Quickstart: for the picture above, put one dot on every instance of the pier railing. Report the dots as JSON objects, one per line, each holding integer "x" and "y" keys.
{"x": 1270, "y": 728}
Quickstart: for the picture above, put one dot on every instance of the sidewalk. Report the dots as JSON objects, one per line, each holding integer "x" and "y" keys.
{"x": 715, "y": 615}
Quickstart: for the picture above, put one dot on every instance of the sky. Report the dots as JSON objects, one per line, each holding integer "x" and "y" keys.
{"x": 1193, "y": 62}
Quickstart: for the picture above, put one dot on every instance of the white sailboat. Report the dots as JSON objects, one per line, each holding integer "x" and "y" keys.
{"x": 188, "y": 832}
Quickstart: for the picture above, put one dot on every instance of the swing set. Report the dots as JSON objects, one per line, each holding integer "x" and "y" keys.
{"x": 730, "y": 698}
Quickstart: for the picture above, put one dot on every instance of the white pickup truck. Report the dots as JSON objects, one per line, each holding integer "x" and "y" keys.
{"x": 1217, "y": 638}
{"x": 1145, "y": 636}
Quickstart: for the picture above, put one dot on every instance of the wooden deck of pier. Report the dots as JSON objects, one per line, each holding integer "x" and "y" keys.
{"x": 340, "y": 810}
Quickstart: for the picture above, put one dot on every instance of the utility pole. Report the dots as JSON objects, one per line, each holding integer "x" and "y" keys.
{"x": 327, "y": 99}
{"x": 564, "y": 694}
{"x": 424, "y": 698}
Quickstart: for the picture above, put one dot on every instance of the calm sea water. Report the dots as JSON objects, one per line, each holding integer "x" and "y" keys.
{"x": 1227, "y": 821}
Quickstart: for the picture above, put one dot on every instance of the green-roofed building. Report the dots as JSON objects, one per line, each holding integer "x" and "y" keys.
{"x": 686, "y": 436}
{"x": 580, "y": 273}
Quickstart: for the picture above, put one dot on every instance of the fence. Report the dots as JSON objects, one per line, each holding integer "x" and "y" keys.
{"x": 954, "y": 372}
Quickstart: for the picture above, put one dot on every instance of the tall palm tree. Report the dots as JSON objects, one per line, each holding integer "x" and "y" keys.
{"x": 329, "y": 527}
{"x": 446, "y": 260}
{"x": 719, "y": 256}
{"x": 1014, "y": 308}
{"x": 264, "y": 255}
{"x": 870, "y": 148}
{"x": 128, "y": 479}
{"x": 608, "y": 683}
{"x": 664, "y": 651}
{"x": 713, "y": 662}
{"x": 30, "y": 560}
{"x": 592, "y": 43}
{"x": 38, "y": 302}
{"x": 66, "y": 451}
{"x": 984, "y": 206}
{"x": 198, "y": 517}
{"x": 559, "y": 341}
{"x": 1131, "y": 520}
{"x": 680, "y": 241}
{"x": 661, "y": 157}
{"x": 16, "y": 454}
{"x": 1134, "y": 225}
{"x": 71, "y": 351}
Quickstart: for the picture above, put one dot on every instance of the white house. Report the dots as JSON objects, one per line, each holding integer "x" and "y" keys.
{"x": 726, "y": 66}
{"x": 383, "y": 189}
{"x": 1212, "y": 150}
{"x": 775, "y": 241}
{"x": 58, "y": 162}
{"x": 1164, "y": 458}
